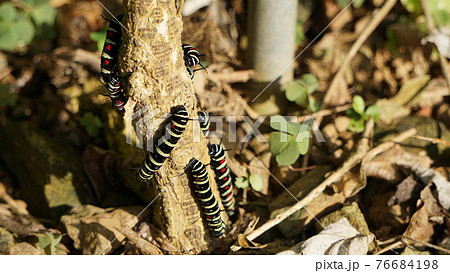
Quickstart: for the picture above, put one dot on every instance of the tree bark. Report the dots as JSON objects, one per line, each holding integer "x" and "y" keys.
{"x": 156, "y": 78}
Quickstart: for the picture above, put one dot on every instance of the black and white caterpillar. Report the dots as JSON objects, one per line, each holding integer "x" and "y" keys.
{"x": 154, "y": 160}
{"x": 208, "y": 202}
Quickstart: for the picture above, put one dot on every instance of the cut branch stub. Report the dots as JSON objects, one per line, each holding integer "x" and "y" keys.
{"x": 152, "y": 63}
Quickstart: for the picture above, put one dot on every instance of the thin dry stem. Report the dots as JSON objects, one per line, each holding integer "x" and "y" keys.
{"x": 373, "y": 24}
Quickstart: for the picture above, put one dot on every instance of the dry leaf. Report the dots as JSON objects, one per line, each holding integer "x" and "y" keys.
{"x": 421, "y": 226}
{"x": 94, "y": 230}
{"x": 339, "y": 238}
{"x": 410, "y": 90}
{"x": 428, "y": 175}
{"x": 245, "y": 243}
{"x": 440, "y": 37}
{"x": 390, "y": 111}
{"x": 407, "y": 189}
{"x": 384, "y": 166}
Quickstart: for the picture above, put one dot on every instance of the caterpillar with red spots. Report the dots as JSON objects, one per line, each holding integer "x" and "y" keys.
{"x": 223, "y": 178}
{"x": 155, "y": 159}
{"x": 111, "y": 48}
{"x": 116, "y": 93}
{"x": 208, "y": 202}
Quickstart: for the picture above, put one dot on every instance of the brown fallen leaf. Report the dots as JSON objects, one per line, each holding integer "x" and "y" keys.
{"x": 385, "y": 165}
{"x": 408, "y": 189}
{"x": 94, "y": 230}
{"x": 421, "y": 226}
{"x": 25, "y": 249}
{"x": 339, "y": 238}
{"x": 245, "y": 243}
{"x": 427, "y": 175}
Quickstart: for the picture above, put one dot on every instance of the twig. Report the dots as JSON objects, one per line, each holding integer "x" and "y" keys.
{"x": 431, "y": 27}
{"x": 356, "y": 158}
{"x": 232, "y": 77}
{"x": 426, "y": 244}
{"x": 325, "y": 112}
{"x": 373, "y": 24}
{"x": 433, "y": 140}
{"x": 302, "y": 169}
{"x": 398, "y": 244}
{"x": 389, "y": 241}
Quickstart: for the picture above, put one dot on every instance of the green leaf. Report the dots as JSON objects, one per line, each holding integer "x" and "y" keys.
{"x": 277, "y": 142}
{"x": 289, "y": 154}
{"x": 99, "y": 37}
{"x": 276, "y": 122}
{"x": 293, "y": 128}
{"x": 440, "y": 12}
{"x": 241, "y": 182}
{"x": 44, "y": 14}
{"x": 358, "y": 104}
{"x": 8, "y": 37}
{"x": 412, "y": 6}
{"x": 356, "y": 125}
{"x": 7, "y": 98}
{"x": 351, "y": 113}
{"x": 25, "y": 30}
{"x": 298, "y": 94}
{"x": 373, "y": 111}
{"x": 7, "y": 12}
{"x": 44, "y": 241}
{"x": 310, "y": 82}
{"x": 302, "y": 141}
{"x": 255, "y": 182}
{"x": 92, "y": 124}
{"x": 279, "y": 123}
{"x": 314, "y": 105}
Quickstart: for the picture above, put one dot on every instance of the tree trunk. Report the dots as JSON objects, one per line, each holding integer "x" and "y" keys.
{"x": 156, "y": 78}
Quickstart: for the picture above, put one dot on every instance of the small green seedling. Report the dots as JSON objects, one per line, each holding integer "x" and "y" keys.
{"x": 49, "y": 241}
{"x": 250, "y": 180}
{"x": 92, "y": 123}
{"x": 291, "y": 140}
{"x": 300, "y": 92}
{"x": 359, "y": 114}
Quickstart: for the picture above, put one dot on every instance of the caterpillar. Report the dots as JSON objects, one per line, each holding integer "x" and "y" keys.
{"x": 111, "y": 48}
{"x": 203, "y": 120}
{"x": 223, "y": 177}
{"x": 191, "y": 58}
{"x": 116, "y": 93}
{"x": 208, "y": 202}
{"x": 190, "y": 55}
{"x": 155, "y": 159}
